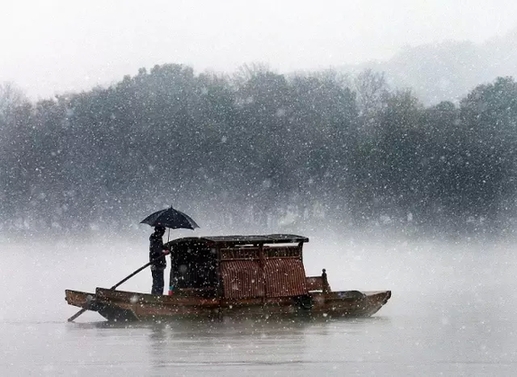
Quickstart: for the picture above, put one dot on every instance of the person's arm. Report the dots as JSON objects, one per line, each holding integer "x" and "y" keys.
{"x": 165, "y": 249}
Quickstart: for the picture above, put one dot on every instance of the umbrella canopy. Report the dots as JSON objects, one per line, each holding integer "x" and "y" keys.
{"x": 170, "y": 218}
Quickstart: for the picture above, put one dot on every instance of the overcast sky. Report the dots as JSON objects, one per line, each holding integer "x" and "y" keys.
{"x": 52, "y": 46}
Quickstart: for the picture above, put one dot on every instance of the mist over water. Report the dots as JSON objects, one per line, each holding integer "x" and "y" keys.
{"x": 451, "y": 312}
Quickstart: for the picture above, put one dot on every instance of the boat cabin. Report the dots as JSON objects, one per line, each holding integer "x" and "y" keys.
{"x": 238, "y": 267}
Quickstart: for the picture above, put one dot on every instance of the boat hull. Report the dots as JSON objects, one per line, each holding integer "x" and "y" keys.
{"x": 117, "y": 305}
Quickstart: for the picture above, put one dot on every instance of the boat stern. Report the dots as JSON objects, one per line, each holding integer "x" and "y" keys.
{"x": 83, "y": 300}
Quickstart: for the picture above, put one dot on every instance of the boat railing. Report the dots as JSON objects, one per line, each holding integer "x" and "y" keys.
{"x": 194, "y": 292}
{"x": 317, "y": 283}
{"x": 254, "y": 252}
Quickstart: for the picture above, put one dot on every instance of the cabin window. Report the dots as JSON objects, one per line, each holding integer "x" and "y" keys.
{"x": 193, "y": 266}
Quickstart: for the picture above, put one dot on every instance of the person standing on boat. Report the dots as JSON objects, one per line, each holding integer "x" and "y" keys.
{"x": 157, "y": 253}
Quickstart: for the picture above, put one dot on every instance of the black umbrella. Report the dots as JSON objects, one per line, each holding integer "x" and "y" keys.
{"x": 170, "y": 218}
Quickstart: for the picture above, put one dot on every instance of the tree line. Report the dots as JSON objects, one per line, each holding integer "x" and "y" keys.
{"x": 259, "y": 148}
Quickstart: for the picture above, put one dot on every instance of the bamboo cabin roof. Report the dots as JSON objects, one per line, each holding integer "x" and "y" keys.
{"x": 240, "y": 240}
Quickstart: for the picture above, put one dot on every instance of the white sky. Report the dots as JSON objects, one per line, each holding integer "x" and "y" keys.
{"x": 53, "y": 46}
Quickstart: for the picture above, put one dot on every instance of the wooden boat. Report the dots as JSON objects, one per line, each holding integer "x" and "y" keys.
{"x": 234, "y": 276}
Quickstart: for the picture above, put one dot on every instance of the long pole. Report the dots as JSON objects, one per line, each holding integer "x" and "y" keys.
{"x": 115, "y": 286}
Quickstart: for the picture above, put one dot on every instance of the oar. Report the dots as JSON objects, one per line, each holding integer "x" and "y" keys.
{"x": 115, "y": 286}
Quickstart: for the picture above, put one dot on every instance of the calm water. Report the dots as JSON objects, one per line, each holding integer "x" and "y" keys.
{"x": 452, "y": 313}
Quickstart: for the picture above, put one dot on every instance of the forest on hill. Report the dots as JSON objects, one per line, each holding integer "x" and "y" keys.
{"x": 259, "y": 149}
{"x": 447, "y": 71}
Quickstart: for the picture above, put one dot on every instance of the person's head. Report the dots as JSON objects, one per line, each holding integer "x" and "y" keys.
{"x": 159, "y": 229}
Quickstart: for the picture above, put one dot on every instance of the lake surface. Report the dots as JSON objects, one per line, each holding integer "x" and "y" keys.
{"x": 452, "y": 313}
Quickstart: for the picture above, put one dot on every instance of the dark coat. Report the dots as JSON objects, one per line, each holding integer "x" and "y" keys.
{"x": 155, "y": 251}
